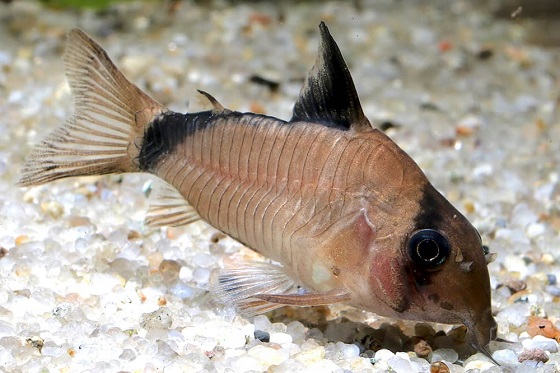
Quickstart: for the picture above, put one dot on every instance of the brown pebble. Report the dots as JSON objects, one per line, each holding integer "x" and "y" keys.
{"x": 71, "y": 352}
{"x": 216, "y": 237}
{"x": 36, "y": 342}
{"x": 535, "y": 354}
{"x": 169, "y": 269}
{"x": 162, "y": 301}
{"x": 133, "y": 235}
{"x": 516, "y": 285}
{"x": 458, "y": 334}
{"x": 439, "y": 367}
{"x": 465, "y": 131}
{"x": 421, "y": 347}
{"x": 3, "y": 252}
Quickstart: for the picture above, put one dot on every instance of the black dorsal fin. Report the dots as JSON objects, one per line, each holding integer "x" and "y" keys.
{"x": 329, "y": 96}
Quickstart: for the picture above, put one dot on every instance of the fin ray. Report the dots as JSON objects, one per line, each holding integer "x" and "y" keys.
{"x": 168, "y": 207}
{"x": 239, "y": 284}
{"x": 97, "y": 139}
{"x": 258, "y": 287}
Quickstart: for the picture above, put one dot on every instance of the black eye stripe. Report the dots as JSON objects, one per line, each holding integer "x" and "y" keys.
{"x": 428, "y": 249}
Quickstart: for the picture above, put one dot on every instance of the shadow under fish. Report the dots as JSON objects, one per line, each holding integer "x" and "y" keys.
{"x": 344, "y": 213}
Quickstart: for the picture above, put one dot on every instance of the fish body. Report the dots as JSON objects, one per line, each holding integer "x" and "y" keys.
{"x": 344, "y": 212}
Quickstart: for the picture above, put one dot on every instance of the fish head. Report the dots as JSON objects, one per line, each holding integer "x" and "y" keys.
{"x": 446, "y": 269}
{"x": 438, "y": 270}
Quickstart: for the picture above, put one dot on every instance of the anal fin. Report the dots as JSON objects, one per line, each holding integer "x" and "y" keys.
{"x": 168, "y": 207}
{"x": 258, "y": 287}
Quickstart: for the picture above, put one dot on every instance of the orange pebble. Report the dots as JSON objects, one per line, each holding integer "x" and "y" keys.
{"x": 542, "y": 326}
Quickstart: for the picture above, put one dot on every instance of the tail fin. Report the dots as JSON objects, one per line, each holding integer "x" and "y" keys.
{"x": 104, "y": 134}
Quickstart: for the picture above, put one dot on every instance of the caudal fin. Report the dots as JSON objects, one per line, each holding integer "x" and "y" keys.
{"x": 105, "y": 132}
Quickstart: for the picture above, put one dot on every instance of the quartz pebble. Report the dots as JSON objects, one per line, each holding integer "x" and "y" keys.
{"x": 444, "y": 354}
{"x": 505, "y": 357}
{"x": 540, "y": 342}
{"x": 280, "y": 338}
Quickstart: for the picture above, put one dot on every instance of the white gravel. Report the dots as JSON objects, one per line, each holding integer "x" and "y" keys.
{"x": 86, "y": 287}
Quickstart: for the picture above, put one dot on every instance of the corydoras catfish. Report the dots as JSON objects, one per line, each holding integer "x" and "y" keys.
{"x": 343, "y": 214}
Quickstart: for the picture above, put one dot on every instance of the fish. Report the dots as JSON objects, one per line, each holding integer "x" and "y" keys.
{"x": 340, "y": 212}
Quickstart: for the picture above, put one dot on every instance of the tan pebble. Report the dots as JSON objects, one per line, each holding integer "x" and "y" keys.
{"x": 172, "y": 233}
{"x": 169, "y": 269}
{"x": 519, "y": 55}
{"x": 21, "y": 272}
{"x": 469, "y": 207}
{"x": 53, "y": 209}
{"x": 78, "y": 221}
{"x": 310, "y": 356}
{"x": 20, "y": 240}
{"x": 547, "y": 259}
{"x": 162, "y": 301}
{"x": 439, "y": 367}
{"x": 23, "y": 292}
{"x": 71, "y": 352}
{"x": 155, "y": 259}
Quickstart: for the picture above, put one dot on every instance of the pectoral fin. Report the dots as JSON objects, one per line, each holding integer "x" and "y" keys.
{"x": 258, "y": 287}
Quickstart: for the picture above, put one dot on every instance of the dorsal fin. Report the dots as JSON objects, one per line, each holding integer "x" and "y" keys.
{"x": 329, "y": 96}
{"x": 216, "y": 106}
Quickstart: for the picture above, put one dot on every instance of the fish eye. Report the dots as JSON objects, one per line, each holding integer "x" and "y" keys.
{"x": 428, "y": 248}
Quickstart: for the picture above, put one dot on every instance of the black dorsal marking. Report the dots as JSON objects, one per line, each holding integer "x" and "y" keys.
{"x": 169, "y": 130}
{"x": 329, "y": 96}
{"x": 166, "y": 132}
